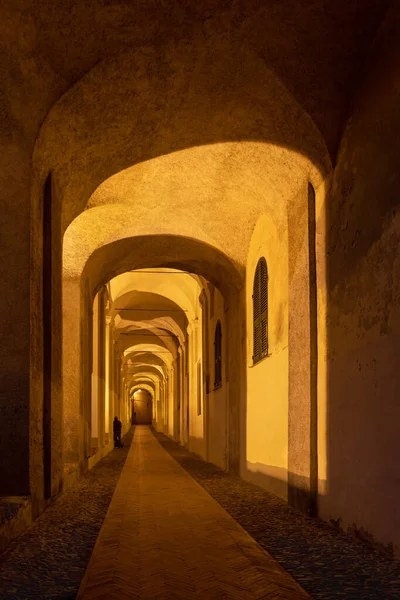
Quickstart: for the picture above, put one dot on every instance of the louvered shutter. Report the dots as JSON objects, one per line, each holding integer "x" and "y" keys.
{"x": 264, "y": 307}
{"x": 260, "y": 311}
{"x": 218, "y": 354}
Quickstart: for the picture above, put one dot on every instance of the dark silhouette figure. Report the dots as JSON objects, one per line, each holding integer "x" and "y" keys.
{"x": 117, "y": 429}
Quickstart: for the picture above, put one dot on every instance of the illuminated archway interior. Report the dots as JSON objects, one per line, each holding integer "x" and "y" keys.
{"x": 201, "y": 203}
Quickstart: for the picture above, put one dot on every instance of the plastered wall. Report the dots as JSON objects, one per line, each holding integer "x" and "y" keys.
{"x": 266, "y": 433}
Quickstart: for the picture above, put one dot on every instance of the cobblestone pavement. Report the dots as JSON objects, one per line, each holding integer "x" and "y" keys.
{"x": 327, "y": 563}
{"x": 50, "y": 559}
{"x": 165, "y": 538}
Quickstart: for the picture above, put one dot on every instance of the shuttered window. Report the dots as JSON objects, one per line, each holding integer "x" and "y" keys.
{"x": 260, "y": 311}
{"x": 218, "y": 355}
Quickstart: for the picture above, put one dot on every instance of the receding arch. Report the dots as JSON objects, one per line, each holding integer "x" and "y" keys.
{"x": 143, "y": 385}
{"x": 182, "y": 289}
{"x": 142, "y": 406}
{"x": 162, "y": 251}
{"x": 153, "y": 251}
{"x": 232, "y": 109}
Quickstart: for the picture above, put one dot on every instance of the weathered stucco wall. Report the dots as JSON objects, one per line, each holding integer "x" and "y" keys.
{"x": 363, "y": 312}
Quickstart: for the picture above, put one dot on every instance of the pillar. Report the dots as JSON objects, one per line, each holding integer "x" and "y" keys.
{"x": 191, "y": 396}
{"x": 101, "y": 370}
{"x": 177, "y": 412}
{"x": 236, "y": 378}
{"x": 302, "y": 438}
{"x": 114, "y": 383}
{"x": 186, "y": 409}
{"x": 73, "y": 434}
{"x": 181, "y": 364}
{"x": 21, "y": 357}
{"x": 95, "y": 374}
{"x": 173, "y": 401}
{"x": 108, "y": 411}
{"x": 205, "y": 368}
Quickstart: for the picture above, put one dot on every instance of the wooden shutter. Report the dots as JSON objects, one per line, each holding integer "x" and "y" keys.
{"x": 264, "y": 307}
{"x": 260, "y": 311}
{"x": 218, "y": 355}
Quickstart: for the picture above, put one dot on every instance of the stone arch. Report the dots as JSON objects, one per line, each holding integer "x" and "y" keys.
{"x": 293, "y": 144}
{"x": 152, "y": 251}
{"x": 134, "y": 317}
{"x": 181, "y": 290}
{"x": 285, "y": 148}
{"x": 225, "y": 104}
{"x": 158, "y": 348}
{"x": 143, "y": 401}
{"x": 144, "y": 385}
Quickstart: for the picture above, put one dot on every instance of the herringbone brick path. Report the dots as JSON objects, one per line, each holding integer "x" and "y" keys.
{"x": 164, "y": 537}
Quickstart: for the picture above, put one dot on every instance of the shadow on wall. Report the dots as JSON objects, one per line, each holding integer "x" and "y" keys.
{"x": 363, "y": 308}
{"x": 273, "y": 479}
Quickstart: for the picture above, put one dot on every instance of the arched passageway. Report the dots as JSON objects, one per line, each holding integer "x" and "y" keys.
{"x": 207, "y": 210}
{"x": 155, "y": 332}
{"x": 142, "y": 407}
{"x": 132, "y": 211}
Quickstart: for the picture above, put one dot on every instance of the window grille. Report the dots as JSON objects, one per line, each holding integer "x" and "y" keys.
{"x": 260, "y": 311}
{"x": 218, "y": 355}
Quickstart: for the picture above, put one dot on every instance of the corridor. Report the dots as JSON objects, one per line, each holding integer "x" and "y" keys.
{"x": 199, "y": 250}
{"x": 165, "y": 537}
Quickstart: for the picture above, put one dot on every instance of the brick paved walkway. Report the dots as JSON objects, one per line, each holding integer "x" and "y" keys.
{"x": 164, "y": 537}
{"x": 328, "y": 563}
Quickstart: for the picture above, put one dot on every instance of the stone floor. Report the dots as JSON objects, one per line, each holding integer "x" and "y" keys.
{"x": 49, "y": 561}
{"x": 164, "y": 537}
{"x": 328, "y": 563}
{"x": 10, "y": 506}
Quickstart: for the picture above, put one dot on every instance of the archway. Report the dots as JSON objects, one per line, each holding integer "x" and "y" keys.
{"x": 224, "y": 128}
{"x": 142, "y": 407}
{"x": 245, "y": 166}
